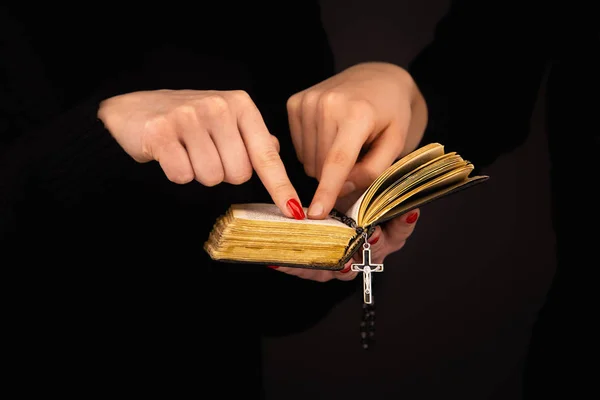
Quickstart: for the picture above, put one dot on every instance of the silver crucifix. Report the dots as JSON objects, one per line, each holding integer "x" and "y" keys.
{"x": 366, "y": 268}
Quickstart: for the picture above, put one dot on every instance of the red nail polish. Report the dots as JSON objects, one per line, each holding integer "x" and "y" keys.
{"x": 412, "y": 218}
{"x": 374, "y": 240}
{"x": 273, "y": 266}
{"x": 346, "y": 269}
{"x": 295, "y": 209}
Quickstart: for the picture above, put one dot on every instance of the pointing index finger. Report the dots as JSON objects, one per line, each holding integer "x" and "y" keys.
{"x": 264, "y": 156}
{"x": 337, "y": 166}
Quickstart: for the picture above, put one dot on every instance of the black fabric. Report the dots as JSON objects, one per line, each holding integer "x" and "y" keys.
{"x": 108, "y": 287}
{"x": 481, "y": 77}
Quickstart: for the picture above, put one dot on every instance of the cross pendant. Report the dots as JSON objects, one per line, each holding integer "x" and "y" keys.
{"x": 367, "y": 268}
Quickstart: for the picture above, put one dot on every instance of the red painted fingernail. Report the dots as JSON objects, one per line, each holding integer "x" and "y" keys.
{"x": 295, "y": 209}
{"x": 346, "y": 269}
{"x": 412, "y": 218}
{"x": 374, "y": 240}
{"x": 273, "y": 266}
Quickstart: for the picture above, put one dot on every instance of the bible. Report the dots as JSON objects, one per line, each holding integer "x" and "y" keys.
{"x": 257, "y": 233}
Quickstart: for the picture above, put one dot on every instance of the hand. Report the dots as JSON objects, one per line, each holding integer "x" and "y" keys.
{"x": 384, "y": 241}
{"x": 209, "y": 136}
{"x": 348, "y": 129}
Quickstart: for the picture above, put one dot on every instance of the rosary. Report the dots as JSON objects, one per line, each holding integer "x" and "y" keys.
{"x": 367, "y": 325}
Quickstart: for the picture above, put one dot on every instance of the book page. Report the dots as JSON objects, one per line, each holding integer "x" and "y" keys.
{"x": 354, "y": 209}
{"x": 261, "y": 233}
{"x": 428, "y": 171}
{"x": 418, "y": 201}
{"x": 272, "y": 213}
{"x": 450, "y": 178}
{"x": 396, "y": 170}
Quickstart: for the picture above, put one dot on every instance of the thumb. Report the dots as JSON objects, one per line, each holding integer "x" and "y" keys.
{"x": 382, "y": 153}
{"x": 359, "y": 178}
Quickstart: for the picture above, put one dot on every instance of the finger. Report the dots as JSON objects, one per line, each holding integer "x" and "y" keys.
{"x": 309, "y": 133}
{"x": 161, "y": 143}
{"x": 294, "y": 111}
{"x": 231, "y": 149}
{"x": 286, "y": 270}
{"x": 325, "y": 136}
{"x": 379, "y": 247}
{"x": 396, "y": 231}
{"x": 346, "y": 274}
{"x": 374, "y": 239}
{"x": 305, "y": 273}
{"x": 382, "y": 153}
{"x": 175, "y": 163}
{"x": 276, "y": 143}
{"x": 340, "y": 159}
{"x": 264, "y": 156}
{"x": 202, "y": 152}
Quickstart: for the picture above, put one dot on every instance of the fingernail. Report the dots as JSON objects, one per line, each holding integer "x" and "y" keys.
{"x": 347, "y": 188}
{"x": 346, "y": 269}
{"x": 412, "y": 218}
{"x": 273, "y": 266}
{"x": 295, "y": 209}
{"x": 315, "y": 210}
{"x": 374, "y": 240}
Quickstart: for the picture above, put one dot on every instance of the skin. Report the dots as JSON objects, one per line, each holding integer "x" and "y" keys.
{"x": 386, "y": 240}
{"x": 346, "y": 130}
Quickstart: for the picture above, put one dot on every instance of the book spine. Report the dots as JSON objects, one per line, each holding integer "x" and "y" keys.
{"x": 340, "y": 216}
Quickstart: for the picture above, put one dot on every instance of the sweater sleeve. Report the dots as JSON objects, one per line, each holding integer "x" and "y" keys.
{"x": 480, "y": 78}
{"x": 50, "y": 151}
{"x": 72, "y": 151}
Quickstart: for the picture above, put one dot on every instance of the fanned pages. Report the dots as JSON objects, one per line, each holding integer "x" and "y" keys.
{"x": 260, "y": 233}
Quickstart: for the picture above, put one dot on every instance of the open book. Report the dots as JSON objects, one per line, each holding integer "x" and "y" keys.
{"x": 260, "y": 233}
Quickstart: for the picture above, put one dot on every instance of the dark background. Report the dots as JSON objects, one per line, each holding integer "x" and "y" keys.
{"x": 455, "y": 307}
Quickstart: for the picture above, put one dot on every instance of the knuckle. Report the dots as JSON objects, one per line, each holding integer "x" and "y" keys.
{"x": 276, "y": 144}
{"x": 269, "y": 158}
{"x": 157, "y": 133}
{"x": 280, "y": 187}
{"x": 182, "y": 178}
{"x": 211, "y": 180}
{"x": 338, "y": 157}
{"x": 239, "y": 176}
{"x": 241, "y": 97}
{"x": 238, "y": 179}
{"x": 185, "y": 112}
{"x": 214, "y": 105}
{"x": 293, "y": 103}
{"x": 330, "y": 100}
{"x": 212, "y": 175}
{"x": 310, "y": 99}
{"x": 361, "y": 110}
{"x": 157, "y": 126}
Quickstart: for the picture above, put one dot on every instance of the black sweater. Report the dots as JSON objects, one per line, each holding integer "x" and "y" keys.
{"x": 109, "y": 282}
{"x": 481, "y": 77}
{"x": 110, "y": 285}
